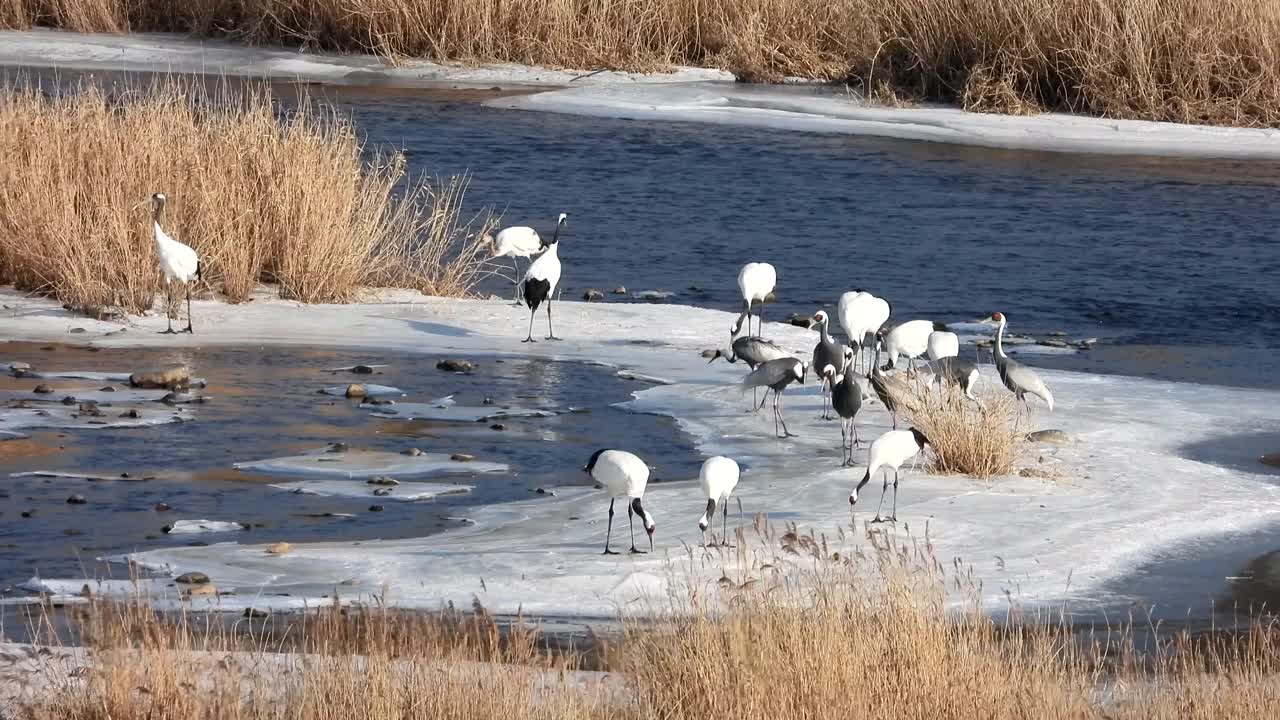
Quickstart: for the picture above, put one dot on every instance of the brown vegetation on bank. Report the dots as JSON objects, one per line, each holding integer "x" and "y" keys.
{"x": 1178, "y": 60}
{"x": 261, "y": 194}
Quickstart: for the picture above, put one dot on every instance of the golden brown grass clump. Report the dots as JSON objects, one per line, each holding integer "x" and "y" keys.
{"x": 867, "y": 634}
{"x": 260, "y": 194}
{"x": 978, "y": 439}
{"x": 1179, "y": 60}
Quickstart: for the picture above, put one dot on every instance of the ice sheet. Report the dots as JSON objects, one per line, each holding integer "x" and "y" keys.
{"x": 819, "y": 110}
{"x": 366, "y": 464}
{"x": 70, "y": 417}
{"x": 407, "y": 491}
{"x": 370, "y": 390}
{"x": 449, "y": 412}
{"x": 196, "y": 527}
{"x": 1143, "y": 475}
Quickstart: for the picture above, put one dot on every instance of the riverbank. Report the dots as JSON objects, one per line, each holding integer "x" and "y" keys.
{"x": 1131, "y": 483}
{"x": 683, "y": 95}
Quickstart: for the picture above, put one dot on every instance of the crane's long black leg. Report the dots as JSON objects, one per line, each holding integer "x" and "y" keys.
{"x": 609, "y": 533}
{"x": 844, "y": 447}
{"x": 761, "y": 333}
{"x": 894, "y": 515}
{"x": 777, "y": 408}
{"x": 631, "y": 522}
{"x": 883, "y": 489}
{"x": 532, "y": 311}
{"x": 168, "y": 302}
{"x": 189, "y": 328}
{"x": 724, "y": 524}
{"x": 551, "y": 334}
{"x": 515, "y": 281}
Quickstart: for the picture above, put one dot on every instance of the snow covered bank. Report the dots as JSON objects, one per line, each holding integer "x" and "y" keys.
{"x": 688, "y": 95}
{"x": 1136, "y": 480}
{"x": 819, "y": 109}
{"x": 163, "y": 52}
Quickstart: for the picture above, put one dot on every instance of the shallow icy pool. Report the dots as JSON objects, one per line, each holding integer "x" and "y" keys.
{"x": 266, "y": 404}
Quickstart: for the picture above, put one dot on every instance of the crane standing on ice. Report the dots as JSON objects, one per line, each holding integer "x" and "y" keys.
{"x": 889, "y": 452}
{"x": 178, "y": 262}
{"x": 1020, "y": 379}
{"x": 718, "y": 478}
{"x": 755, "y": 282}
{"x": 515, "y": 242}
{"x": 541, "y": 279}
{"x": 623, "y": 475}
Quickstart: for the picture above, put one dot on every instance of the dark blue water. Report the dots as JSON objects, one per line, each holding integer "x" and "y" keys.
{"x": 265, "y": 404}
{"x": 1137, "y": 251}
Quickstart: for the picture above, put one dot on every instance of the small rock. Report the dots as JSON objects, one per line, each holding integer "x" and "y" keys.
{"x": 19, "y": 367}
{"x": 455, "y": 365}
{"x": 462, "y": 457}
{"x": 356, "y": 391}
{"x": 487, "y": 401}
{"x": 544, "y": 491}
{"x": 107, "y": 388}
{"x": 1057, "y": 333}
{"x": 378, "y": 401}
{"x": 280, "y": 548}
{"x": 90, "y": 408}
{"x": 653, "y": 296}
{"x": 162, "y": 507}
{"x": 169, "y": 377}
{"x": 131, "y": 413}
{"x": 382, "y": 480}
{"x": 69, "y": 400}
{"x": 620, "y": 290}
{"x": 1088, "y": 342}
{"x": 800, "y": 320}
{"x": 1271, "y": 460}
{"x": 77, "y": 500}
{"x": 375, "y": 508}
{"x": 382, "y": 492}
{"x": 337, "y": 447}
{"x": 78, "y": 330}
{"x": 71, "y": 532}
{"x": 497, "y": 426}
{"x": 254, "y": 614}
{"x": 1054, "y": 342}
{"x": 593, "y": 295}
{"x": 1053, "y": 437}
{"x": 192, "y": 578}
{"x": 1035, "y": 473}
{"x": 412, "y": 452}
{"x": 362, "y": 370}
{"x": 27, "y": 513}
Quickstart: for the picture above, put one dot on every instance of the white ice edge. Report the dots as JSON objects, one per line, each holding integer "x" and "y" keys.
{"x": 370, "y": 390}
{"x": 366, "y": 464}
{"x": 405, "y": 491}
{"x": 1143, "y": 476}
{"x": 819, "y": 110}
{"x": 687, "y": 95}
{"x": 199, "y": 527}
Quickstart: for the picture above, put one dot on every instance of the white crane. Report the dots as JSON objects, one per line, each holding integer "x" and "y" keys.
{"x": 1020, "y": 379}
{"x": 943, "y": 344}
{"x": 541, "y": 279}
{"x": 623, "y": 475}
{"x": 755, "y": 282}
{"x": 910, "y": 339}
{"x": 178, "y": 262}
{"x": 861, "y": 314}
{"x": 889, "y": 452}
{"x": 519, "y": 241}
{"x": 846, "y": 398}
{"x": 826, "y": 354}
{"x": 718, "y": 478}
{"x": 776, "y": 375}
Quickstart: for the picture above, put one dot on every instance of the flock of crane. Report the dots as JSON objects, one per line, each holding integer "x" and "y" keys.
{"x": 863, "y": 317}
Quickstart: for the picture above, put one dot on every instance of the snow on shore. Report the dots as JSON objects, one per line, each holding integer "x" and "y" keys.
{"x": 688, "y": 94}
{"x": 1126, "y": 488}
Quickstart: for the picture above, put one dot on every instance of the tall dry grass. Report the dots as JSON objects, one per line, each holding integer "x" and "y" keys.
{"x": 260, "y": 193}
{"x": 1178, "y": 60}
{"x": 830, "y": 636}
{"x": 978, "y": 439}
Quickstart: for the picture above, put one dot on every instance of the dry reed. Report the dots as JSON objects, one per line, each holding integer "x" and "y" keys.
{"x": 979, "y": 439}
{"x": 866, "y": 634}
{"x": 1178, "y": 60}
{"x": 262, "y": 195}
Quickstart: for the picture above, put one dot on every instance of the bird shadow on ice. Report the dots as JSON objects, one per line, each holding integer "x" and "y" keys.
{"x": 1236, "y": 452}
{"x": 430, "y": 328}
